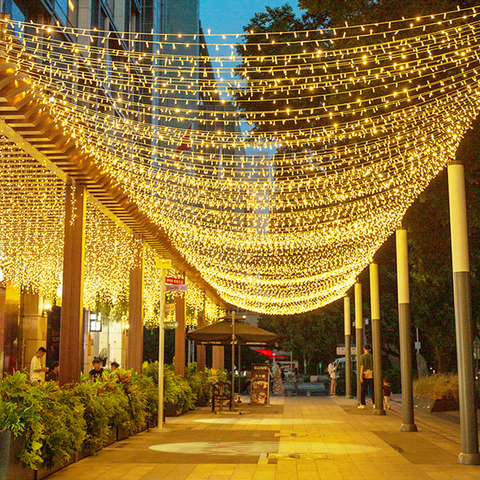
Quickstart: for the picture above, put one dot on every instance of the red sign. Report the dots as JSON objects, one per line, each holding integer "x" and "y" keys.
{"x": 174, "y": 281}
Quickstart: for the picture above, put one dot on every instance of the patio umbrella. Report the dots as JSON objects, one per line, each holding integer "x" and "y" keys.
{"x": 231, "y": 332}
{"x": 221, "y": 334}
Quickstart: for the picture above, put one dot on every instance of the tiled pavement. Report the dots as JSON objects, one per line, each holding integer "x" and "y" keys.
{"x": 304, "y": 438}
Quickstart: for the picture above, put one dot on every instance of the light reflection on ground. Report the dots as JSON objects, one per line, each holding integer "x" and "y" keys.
{"x": 266, "y": 421}
{"x": 257, "y": 448}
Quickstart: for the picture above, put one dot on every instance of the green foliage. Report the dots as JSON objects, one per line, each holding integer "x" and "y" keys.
{"x": 20, "y": 413}
{"x": 64, "y": 425}
{"x": 252, "y": 100}
{"x": 178, "y": 391}
{"x": 393, "y": 375}
{"x": 100, "y": 408}
{"x": 311, "y": 336}
{"x": 437, "y": 386}
{"x": 150, "y": 391}
{"x": 48, "y": 419}
{"x": 357, "y": 12}
{"x": 111, "y": 310}
{"x": 137, "y": 398}
{"x": 53, "y": 422}
{"x": 199, "y": 384}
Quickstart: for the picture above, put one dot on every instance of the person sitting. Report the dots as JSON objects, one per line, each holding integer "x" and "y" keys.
{"x": 114, "y": 366}
{"x": 54, "y": 374}
{"x": 97, "y": 371}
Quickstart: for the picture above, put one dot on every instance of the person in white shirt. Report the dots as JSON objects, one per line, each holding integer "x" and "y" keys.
{"x": 37, "y": 370}
{"x": 332, "y": 373}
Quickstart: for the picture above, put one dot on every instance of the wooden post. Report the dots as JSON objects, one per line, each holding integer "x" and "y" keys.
{"x": 71, "y": 326}
{"x": 201, "y": 350}
{"x": 135, "y": 313}
{"x": 218, "y": 357}
{"x": 180, "y": 336}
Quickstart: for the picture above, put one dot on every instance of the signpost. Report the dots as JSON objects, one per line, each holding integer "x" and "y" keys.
{"x": 176, "y": 288}
{"x": 163, "y": 265}
{"x": 341, "y": 351}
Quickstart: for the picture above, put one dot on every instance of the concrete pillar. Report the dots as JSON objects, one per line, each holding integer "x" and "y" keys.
{"x": 348, "y": 344}
{"x": 180, "y": 335}
{"x": 359, "y": 333}
{"x": 218, "y": 357}
{"x": 404, "y": 330}
{"x": 135, "y": 313}
{"x": 463, "y": 315}
{"x": 33, "y": 322}
{"x": 71, "y": 326}
{"x": 376, "y": 340}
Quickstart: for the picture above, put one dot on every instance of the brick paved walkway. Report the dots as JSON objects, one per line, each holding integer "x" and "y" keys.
{"x": 296, "y": 438}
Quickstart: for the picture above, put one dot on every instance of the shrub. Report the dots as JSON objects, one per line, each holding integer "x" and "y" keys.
{"x": 199, "y": 384}
{"x": 178, "y": 391}
{"x": 437, "y": 386}
{"x": 20, "y": 413}
{"x": 48, "y": 419}
{"x": 105, "y": 406}
{"x": 64, "y": 425}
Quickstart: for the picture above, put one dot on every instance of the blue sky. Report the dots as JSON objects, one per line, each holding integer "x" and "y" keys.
{"x": 229, "y": 16}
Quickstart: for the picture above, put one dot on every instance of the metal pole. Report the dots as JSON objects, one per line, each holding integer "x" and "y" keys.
{"x": 348, "y": 355}
{"x": 233, "y": 361}
{"x": 463, "y": 315}
{"x": 404, "y": 330}
{"x": 163, "y": 265}
{"x": 239, "y": 369}
{"x": 359, "y": 334}
{"x": 376, "y": 340}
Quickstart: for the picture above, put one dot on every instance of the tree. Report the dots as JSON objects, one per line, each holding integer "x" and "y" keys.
{"x": 279, "y": 110}
{"x": 427, "y": 220}
{"x": 311, "y": 336}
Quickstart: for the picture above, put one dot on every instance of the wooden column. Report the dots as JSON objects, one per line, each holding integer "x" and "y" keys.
{"x": 71, "y": 326}
{"x": 218, "y": 358}
{"x": 201, "y": 349}
{"x": 180, "y": 336}
{"x": 135, "y": 314}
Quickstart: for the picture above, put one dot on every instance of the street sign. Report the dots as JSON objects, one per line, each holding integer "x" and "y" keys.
{"x": 170, "y": 325}
{"x": 176, "y": 288}
{"x": 169, "y": 307}
{"x": 163, "y": 263}
{"x": 341, "y": 350}
{"x": 175, "y": 281}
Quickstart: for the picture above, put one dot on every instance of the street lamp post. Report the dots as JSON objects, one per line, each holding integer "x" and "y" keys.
{"x": 162, "y": 265}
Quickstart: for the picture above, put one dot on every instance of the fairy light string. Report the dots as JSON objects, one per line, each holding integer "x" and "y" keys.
{"x": 279, "y": 204}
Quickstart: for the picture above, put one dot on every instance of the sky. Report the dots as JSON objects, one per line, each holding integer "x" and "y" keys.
{"x": 229, "y": 16}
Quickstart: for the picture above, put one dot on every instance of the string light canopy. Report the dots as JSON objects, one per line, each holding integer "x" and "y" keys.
{"x": 279, "y": 179}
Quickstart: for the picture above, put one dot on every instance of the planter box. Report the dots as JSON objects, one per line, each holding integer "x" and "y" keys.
{"x": 152, "y": 422}
{"x": 112, "y": 438}
{"x": 45, "y": 472}
{"x": 170, "y": 410}
{"x": 428, "y": 404}
{"x": 10, "y": 466}
{"x": 122, "y": 433}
